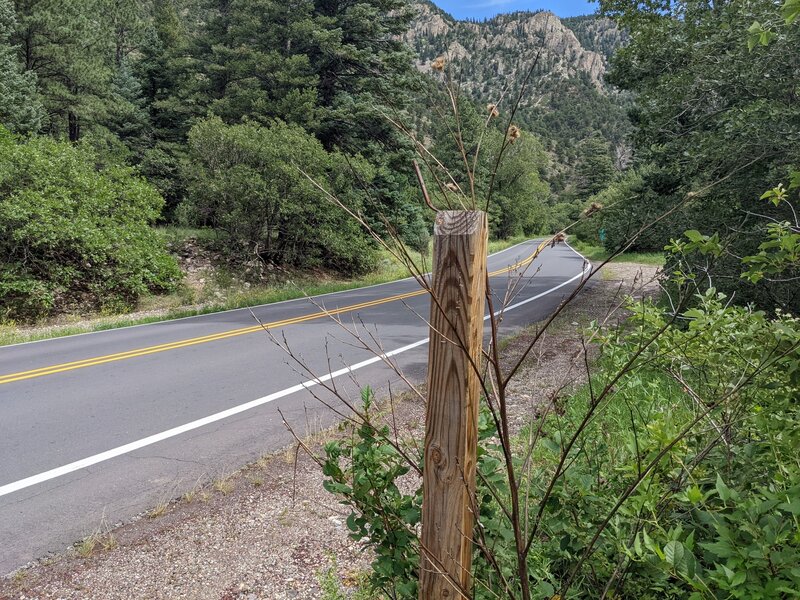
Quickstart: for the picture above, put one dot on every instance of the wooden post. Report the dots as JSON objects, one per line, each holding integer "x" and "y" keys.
{"x": 451, "y": 427}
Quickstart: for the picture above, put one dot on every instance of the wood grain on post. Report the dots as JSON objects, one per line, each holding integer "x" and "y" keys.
{"x": 451, "y": 427}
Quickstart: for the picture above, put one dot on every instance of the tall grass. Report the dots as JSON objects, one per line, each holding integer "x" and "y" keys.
{"x": 599, "y": 254}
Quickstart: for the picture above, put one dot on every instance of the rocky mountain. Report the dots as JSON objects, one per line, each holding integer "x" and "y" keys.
{"x": 597, "y": 33}
{"x": 497, "y": 49}
{"x": 567, "y": 99}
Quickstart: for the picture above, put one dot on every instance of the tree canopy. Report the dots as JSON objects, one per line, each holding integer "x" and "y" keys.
{"x": 717, "y": 117}
{"x": 20, "y": 110}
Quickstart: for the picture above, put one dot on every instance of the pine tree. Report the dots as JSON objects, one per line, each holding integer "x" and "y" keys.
{"x": 595, "y": 168}
{"x": 253, "y": 63}
{"x": 128, "y": 119}
{"x": 362, "y": 66}
{"x": 126, "y": 22}
{"x": 20, "y": 109}
{"x": 168, "y": 76}
{"x": 68, "y": 47}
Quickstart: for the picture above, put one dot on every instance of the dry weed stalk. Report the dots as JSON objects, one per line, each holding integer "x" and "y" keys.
{"x": 523, "y": 512}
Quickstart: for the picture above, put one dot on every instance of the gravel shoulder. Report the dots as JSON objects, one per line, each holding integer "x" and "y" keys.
{"x": 270, "y": 531}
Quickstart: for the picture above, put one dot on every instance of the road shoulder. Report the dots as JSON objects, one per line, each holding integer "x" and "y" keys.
{"x": 270, "y": 531}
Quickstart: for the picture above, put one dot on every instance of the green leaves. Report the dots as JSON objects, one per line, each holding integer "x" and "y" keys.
{"x": 711, "y": 154}
{"x": 776, "y": 195}
{"x": 680, "y": 559}
{"x": 694, "y": 494}
{"x": 363, "y": 471}
{"x": 755, "y": 550}
{"x": 723, "y": 490}
{"x": 73, "y": 233}
{"x": 790, "y": 11}
{"x": 702, "y": 243}
{"x": 757, "y": 34}
{"x": 780, "y": 252}
{"x": 258, "y": 186}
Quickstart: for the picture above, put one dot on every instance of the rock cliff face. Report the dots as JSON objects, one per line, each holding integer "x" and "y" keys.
{"x": 566, "y": 99}
{"x": 508, "y": 45}
{"x": 597, "y": 33}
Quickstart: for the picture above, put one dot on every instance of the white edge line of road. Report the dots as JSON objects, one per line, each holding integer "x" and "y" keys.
{"x": 230, "y": 310}
{"x": 15, "y": 486}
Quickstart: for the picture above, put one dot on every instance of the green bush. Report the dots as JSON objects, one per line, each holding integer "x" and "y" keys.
{"x": 772, "y": 261}
{"x": 364, "y": 471}
{"x": 722, "y": 152}
{"x": 634, "y": 202}
{"x": 73, "y": 235}
{"x": 248, "y": 182}
{"x": 647, "y": 506}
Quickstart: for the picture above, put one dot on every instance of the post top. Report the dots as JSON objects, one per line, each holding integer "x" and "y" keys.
{"x": 459, "y": 222}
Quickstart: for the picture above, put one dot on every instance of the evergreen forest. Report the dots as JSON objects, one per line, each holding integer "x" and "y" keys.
{"x": 222, "y": 116}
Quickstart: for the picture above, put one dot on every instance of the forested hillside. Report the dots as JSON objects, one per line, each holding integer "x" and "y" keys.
{"x": 663, "y": 461}
{"x": 215, "y": 107}
{"x": 228, "y": 109}
{"x": 225, "y": 111}
{"x": 567, "y": 100}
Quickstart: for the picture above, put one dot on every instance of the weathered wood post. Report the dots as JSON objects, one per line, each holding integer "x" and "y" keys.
{"x": 451, "y": 427}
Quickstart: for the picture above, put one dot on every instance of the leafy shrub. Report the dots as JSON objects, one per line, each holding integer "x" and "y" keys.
{"x": 73, "y": 234}
{"x": 643, "y": 504}
{"x": 248, "y": 181}
{"x": 772, "y": 263}
{"x": 718, "y": 519}
{"x": 635, "y": 200}
{"x": 726, "y": 151}
{"x": 364, "y": 472}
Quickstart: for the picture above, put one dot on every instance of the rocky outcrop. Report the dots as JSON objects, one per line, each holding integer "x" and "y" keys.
{"x": 565, "y": 100}
{"x": 429, "y": 23}
{"x": 508, "y": 44}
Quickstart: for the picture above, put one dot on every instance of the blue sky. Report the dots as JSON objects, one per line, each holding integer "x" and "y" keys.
{"x": 480, "y": 9}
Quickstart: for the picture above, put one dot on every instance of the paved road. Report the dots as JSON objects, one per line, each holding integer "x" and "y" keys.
{"x": 105, "y": 425}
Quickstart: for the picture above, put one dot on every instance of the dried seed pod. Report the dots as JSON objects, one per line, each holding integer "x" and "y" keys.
{"x": 438, "y": 63}
{"x": 592, "y": 208}
{"x": 492, "y": 109}
{"x": 557, "y": 239}
{"x": 513, "y": 133}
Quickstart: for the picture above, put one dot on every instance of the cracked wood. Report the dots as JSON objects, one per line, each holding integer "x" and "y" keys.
{"x": 451, "y": 429}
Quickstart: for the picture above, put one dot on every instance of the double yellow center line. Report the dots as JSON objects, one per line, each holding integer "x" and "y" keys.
{"x": 99, "y": 360}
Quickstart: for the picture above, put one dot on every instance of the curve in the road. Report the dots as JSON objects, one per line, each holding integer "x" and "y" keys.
{"x": 99, "y": 360}
{"x": 175, "y": 431}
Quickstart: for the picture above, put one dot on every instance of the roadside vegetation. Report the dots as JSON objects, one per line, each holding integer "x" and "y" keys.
{"x": 599, "y": 254}
{"x": 75, "y": 234}
{"x": 217, "y": 287}
{"x": 285, "y": 154}
{"x": 235, "y": 120}
{"x": 672, "y": 472}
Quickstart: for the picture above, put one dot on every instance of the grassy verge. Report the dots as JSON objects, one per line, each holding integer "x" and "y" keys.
{"x": 599, "y": 254}
{"x": 229, "y": 296}
{"x": 174, "y": 234}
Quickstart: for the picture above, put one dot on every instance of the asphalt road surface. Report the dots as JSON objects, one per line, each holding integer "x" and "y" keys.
{"x": 99, "y": 427}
